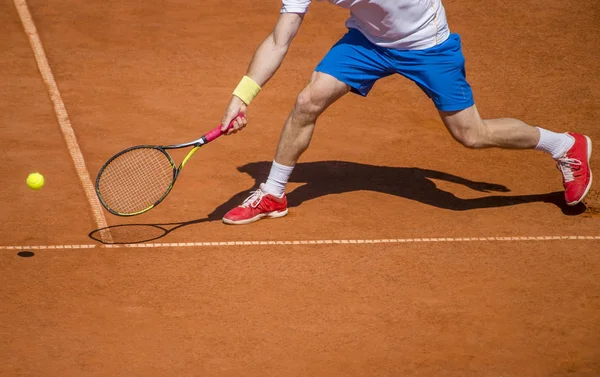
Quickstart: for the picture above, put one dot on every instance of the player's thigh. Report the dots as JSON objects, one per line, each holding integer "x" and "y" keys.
{"x": 357, "y": 62}
{"x": 468, "y": 118}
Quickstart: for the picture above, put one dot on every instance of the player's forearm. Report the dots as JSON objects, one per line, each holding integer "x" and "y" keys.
{"x": 271, "y": 52}
{"x": 268, "y": 56}
{"x": 266, "y": 60}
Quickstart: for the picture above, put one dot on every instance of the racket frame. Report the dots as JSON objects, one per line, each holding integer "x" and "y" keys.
{"x": 196, "y": 144}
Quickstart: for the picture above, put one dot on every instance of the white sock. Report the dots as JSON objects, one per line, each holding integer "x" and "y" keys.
{"x": 278, "y": 178}
{"x": 554, "y": 143}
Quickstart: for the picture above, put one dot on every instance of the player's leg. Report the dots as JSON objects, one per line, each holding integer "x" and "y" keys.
{"x": 571, "y": 151}
{"x": 270, "y": 200}
{"x": 353, "y": 64}
{"x": 322, "y": 91}
{"x": 467, "y": 127}
{"x": 440, "y": 72}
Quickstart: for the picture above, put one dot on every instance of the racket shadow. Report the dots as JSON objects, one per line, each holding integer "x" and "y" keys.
{"x": 122, "y": 234}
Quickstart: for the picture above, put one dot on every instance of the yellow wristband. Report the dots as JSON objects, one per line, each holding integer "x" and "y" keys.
{"x": 246, "y": 90}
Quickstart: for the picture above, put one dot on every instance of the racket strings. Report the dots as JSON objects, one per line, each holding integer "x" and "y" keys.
{"x": 136, "y": 180}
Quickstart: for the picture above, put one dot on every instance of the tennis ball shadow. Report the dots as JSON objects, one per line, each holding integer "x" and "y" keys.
{"x": 26, "y": 254}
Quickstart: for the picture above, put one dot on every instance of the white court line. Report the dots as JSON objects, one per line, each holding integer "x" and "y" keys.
{"x": 309, "y": 242}
{"x": 62, "y": 116}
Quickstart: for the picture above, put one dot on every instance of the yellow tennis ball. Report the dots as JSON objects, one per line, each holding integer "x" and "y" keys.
{"x": 35, "y": 181}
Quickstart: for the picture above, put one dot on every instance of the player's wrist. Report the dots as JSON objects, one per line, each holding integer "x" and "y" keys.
{"x": 247, "y": 90}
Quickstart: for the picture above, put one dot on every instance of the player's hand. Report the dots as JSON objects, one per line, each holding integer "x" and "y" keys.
{"x": 235, "y": 107}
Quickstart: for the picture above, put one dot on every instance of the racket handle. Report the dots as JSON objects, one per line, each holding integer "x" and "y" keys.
{"x": 215, "y": 133}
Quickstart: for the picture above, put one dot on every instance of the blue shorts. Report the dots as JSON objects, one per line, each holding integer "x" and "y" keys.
{"x": 439, "y": 71}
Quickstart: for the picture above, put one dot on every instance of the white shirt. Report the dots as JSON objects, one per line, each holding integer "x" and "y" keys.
{"x": 398, "y": 24}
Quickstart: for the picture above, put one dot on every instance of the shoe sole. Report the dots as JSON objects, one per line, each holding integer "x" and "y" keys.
{"x": 270, "y": 215}
{"x": 587, "y": 189}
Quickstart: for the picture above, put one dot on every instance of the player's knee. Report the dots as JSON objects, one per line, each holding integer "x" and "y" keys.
{"x": 308, "y": 104}
{"x": 467, "y": 127}
{"x": 472, "y": 136}
{"x": 470, "y": 141}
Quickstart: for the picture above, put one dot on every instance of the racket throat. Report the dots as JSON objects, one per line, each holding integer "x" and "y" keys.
{"x": 189, "y": 155}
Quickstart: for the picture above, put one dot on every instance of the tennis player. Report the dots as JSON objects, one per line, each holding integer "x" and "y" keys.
{"x": 385, "y": 37}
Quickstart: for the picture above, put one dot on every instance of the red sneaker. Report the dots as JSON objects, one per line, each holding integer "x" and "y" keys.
{"x": 575, "y": 168}
{"x": 258, "y": 205}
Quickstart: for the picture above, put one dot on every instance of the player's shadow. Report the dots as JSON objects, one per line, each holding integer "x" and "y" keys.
{"x": 336, "y": 177}
{"x": 324, "y": 178}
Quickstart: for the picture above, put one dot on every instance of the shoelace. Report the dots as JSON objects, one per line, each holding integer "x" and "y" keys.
{"x": 566, "y": 167}
{"x": 254, "y": 199}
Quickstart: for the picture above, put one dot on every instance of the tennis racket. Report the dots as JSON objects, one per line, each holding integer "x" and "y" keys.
{"x": 139, "y": 178}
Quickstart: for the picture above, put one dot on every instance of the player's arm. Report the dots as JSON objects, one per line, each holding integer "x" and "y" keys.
{"x": 266, "y": 60}
{"x": 270, "y": 53}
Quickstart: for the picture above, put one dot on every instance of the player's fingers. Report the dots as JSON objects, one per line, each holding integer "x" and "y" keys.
{"x": 225, "y": 123}
{"x": 239, "y": 123}
{"x": 235, "y": 126}
{"x": 228, "y": 123}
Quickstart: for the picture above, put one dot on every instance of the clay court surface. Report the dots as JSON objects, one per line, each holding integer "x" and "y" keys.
{"x": 404, "y": 254}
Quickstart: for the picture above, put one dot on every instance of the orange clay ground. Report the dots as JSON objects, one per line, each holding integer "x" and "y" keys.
{"x": 404, "y": 254}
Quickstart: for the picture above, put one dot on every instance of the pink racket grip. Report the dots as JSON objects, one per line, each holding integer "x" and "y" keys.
{"x": 212, "y": 135}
